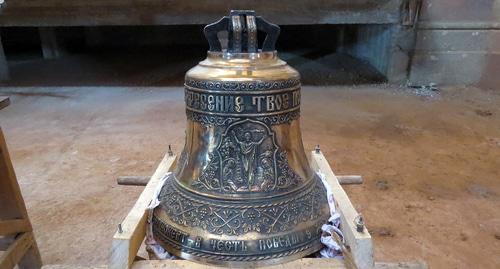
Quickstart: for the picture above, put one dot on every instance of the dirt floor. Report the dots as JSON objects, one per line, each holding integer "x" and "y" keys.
{"x": 430, "y": 161}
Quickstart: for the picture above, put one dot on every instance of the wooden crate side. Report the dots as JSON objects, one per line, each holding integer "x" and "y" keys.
{"x": 16, "y": 251}
{"x": 297, "y": 264}
{"x": 8, "y": 227}
{"x": 126, "y": 243}
{"x": 360, "y": 242}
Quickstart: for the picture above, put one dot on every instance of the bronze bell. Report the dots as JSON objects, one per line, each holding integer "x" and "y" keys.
{"x": 243, "y": 193}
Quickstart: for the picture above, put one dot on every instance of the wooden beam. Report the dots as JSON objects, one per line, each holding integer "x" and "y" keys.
{"x": 350, "y": 179}
{"x": 133, "y": 180}
{"x": 400, "y": 265}
{"x": 143, "y": 181}
{"x": 32, "y": 259}
{"x": 4, "y": 102}
{"x": 360, "y": 242}
{"x": 297, "y": 264}
{"x": 14, "y": 226}
{"x": 11, "y": 201}
{"x": 126, "y": 242}
{"x": 159, "y": 12}
{"x": 16, "y": 251}
{"x": 5, "y": 242}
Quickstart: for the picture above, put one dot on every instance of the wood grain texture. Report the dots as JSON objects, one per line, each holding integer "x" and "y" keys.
{"x": 360, "y": 242}
{"x": 21, "y": 249}
{"x": 14, "y": 226}
{"x": 4, "y": 101}
{"x": 126, "y": 243}
{"x": 133, "y": 180}
{"x": 12, "y": 203}
{"x": 17, "y": 251}
{"x": 297, "y": 264}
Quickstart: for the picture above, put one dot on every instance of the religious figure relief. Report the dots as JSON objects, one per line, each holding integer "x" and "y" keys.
{"x": 247, "y": 159}
{"x": 248, "y": 148}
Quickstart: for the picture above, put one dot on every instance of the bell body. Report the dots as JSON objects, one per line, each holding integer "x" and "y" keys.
{"x": 242, "y": 193}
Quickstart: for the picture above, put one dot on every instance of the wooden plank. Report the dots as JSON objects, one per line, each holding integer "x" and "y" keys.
{"x": 32, "y": 259}
{"x": 23, "y": 251}
{"x": 14, "y": 226}
{"x": 72, "y": 266}
{"x": 304, "y": 263}
{"x": 4, "y": 102}
{"x": 16, "y": 251}
{"x": 133, "y": 180}
{"x": 126, "y": 243}
{"x": 12, "y": 203}
{"x": 143, "y": 181}
{"x": 297, "y": 264}
{"x": 401, "y": 265}
{"x": 360, "y": 242}
{"x": 158, "y": 12}
{"x": 350, "y": 179}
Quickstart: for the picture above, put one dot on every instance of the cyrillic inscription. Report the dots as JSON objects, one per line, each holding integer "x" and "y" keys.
{"x": 228, "y": 246}
{"x": 242, "y": 104}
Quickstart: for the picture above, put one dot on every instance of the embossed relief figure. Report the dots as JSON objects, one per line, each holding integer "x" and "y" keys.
{"x": 248, "y": 149}
{"x": 247, "y": 160}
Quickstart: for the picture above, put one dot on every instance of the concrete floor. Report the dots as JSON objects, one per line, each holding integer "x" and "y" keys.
{"x": 430, "y": 164}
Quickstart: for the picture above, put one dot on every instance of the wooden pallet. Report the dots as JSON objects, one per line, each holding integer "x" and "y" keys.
{"x": 127, "y": 241}
{"x": 132, "y": 231}
{"x": 16, "y": 234}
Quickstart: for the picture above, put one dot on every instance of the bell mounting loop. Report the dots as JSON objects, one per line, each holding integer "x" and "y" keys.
{"x": 242, "y": 27}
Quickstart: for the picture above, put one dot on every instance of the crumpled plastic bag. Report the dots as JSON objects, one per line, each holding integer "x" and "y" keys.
{"x": 154, "y": 249}
{"x": 333, "y": 248}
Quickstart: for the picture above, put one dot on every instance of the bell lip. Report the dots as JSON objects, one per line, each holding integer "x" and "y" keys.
{"x": 315, "y": 247}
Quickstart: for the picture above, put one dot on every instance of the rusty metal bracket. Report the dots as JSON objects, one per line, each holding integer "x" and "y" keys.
{"x": 411, "y": 12}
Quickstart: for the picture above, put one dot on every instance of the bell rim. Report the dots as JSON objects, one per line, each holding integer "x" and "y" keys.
{"x": 311, "y": 247}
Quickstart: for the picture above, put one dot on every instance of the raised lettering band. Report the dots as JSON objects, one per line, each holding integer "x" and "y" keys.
{"x": 208, "y": 101}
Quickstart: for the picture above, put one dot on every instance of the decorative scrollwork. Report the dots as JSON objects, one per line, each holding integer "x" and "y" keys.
{"x": 242, "y": 86}
{"x": 280, "y": 118}
{"x": 236, "y": 219}
{"x": 206, "y": 119}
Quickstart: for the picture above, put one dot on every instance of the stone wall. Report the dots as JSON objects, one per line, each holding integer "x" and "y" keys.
{"x": 458, "y": 42}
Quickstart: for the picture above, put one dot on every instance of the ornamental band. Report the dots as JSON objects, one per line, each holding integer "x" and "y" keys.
{"x": 242, "y": 193}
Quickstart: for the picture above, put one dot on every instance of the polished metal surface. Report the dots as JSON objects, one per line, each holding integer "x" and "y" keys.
{"x": 243, "y": 193}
